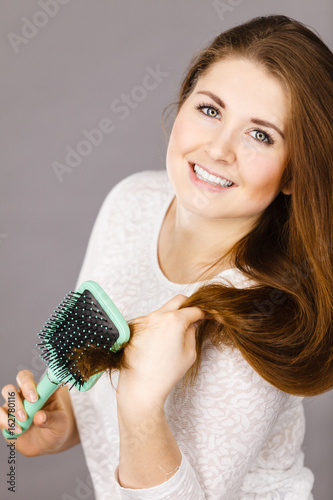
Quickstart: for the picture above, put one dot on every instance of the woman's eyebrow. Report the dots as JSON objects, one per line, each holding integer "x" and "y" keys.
{"x": 256, "y": 121}
{"x": 213, "y": 96}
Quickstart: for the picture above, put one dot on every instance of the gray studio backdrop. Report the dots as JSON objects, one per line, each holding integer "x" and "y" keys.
{"x": 68, "y": 67}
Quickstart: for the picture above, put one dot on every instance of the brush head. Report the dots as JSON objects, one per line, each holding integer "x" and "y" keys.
{"x": 81, "y": 335}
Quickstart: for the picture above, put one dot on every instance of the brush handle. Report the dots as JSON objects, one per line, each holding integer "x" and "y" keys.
{"x": 45, "y": 389}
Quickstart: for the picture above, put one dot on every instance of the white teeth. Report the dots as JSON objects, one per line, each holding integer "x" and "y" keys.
{"x": 212, "y": 179}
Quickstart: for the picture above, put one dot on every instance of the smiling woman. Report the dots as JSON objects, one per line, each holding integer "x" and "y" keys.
{"x": 250, "y": 163}
{"x": 219, "y": 139}
{"x": 280, "y": 72}
{"x": 224, "y": 261}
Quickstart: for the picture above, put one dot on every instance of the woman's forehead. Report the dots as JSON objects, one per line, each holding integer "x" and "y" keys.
{"x": 245, "y": 84}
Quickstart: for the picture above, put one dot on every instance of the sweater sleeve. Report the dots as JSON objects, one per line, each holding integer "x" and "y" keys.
{"x": 240, "y": 437}
{"x": 183, "y": 485}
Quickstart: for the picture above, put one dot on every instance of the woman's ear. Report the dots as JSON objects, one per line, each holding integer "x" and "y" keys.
{"x": 286, "y": 181}
{"x": 287, "y": 189}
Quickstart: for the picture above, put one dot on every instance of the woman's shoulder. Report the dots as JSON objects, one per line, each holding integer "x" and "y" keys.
{"x": 135, "y": 185}
{"x": 136, "y": 194}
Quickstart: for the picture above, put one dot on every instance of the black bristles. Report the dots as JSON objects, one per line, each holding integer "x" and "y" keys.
{"x": 78, "y": 324}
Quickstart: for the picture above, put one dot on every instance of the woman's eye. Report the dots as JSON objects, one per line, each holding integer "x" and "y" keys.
{"x": 261, "y": 136}
{"x": 209, "y": 110}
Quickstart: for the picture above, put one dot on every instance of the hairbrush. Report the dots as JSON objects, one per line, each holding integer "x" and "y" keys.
{"x": 77, "y": 342}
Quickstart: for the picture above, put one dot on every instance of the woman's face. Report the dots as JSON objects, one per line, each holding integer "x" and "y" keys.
{"x": 227, "y": 151}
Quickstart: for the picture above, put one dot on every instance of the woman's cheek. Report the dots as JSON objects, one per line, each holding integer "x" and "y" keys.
{"x": 180, "y": 147}
{"x": 264, "y": 175}
{"x": 187, "y": 132}
{"x": 249, "y": 153}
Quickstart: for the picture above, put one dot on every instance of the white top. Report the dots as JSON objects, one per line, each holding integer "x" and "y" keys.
{"x": 240, "y": 437}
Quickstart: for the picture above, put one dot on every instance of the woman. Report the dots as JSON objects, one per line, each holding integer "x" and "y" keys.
{"x": 209, "y": 389}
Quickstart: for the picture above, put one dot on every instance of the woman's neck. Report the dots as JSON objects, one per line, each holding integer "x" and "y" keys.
{"x": 190, "y": 244}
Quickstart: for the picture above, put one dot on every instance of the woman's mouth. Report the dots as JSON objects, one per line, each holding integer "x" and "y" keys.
{"x": 211, "y": 179}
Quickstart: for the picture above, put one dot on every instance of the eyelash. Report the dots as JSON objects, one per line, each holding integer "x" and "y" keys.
{"x": 268, "y": 139}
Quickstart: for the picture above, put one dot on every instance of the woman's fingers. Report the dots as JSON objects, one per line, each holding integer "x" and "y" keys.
{"x": 13, "y": 407}
{"x": 173, "y": 304}
{"x": 54, "y": 421}
{"x": 7, "y": 421}
{"x": 27, "y": 385}
{"x": 53, "y": 426}
{"x": 191, "y": 315}
{"x": 163, "y": 351}
{"x": 188, "y": 314}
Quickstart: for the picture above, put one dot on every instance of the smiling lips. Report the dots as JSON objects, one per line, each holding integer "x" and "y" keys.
{"x": 205, "y": 176}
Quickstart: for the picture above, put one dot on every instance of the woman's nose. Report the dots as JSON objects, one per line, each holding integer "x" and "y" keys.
{"x": 220, "y": 147}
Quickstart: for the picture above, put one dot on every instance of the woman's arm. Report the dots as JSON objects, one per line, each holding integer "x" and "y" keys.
{"x": 162, "y": 350}
{"x": 149, "y": 454}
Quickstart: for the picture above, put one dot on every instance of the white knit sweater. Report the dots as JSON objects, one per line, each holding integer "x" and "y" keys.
{"x": 239, "y": 436}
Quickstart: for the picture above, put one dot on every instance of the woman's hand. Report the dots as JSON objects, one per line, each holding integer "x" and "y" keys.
{"x": 53, "y": 428}
{"x": 161, "y": 351}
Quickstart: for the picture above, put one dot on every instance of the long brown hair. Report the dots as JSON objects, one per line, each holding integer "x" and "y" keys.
{"x": 282, "y": 325}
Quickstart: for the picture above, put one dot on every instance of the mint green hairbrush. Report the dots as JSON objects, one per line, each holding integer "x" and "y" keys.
{"x": 80, "y": 336}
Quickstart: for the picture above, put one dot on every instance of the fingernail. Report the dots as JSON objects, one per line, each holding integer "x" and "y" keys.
{"x": 22, "y": 415}
{"x": 17, "y": 429}
{"x": 44, "y": 418}
{"x": 32, "y": 396}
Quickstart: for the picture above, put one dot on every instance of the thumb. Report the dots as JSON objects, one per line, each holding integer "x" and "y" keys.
{"x": 53, "y": 420}
{"x": 192, "y": 315}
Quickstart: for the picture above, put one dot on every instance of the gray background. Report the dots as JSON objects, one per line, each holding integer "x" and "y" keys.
{"x": 63, "y": 80}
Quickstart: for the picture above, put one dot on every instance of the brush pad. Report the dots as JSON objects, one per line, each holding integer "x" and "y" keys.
{"x": 77, "y": 336}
